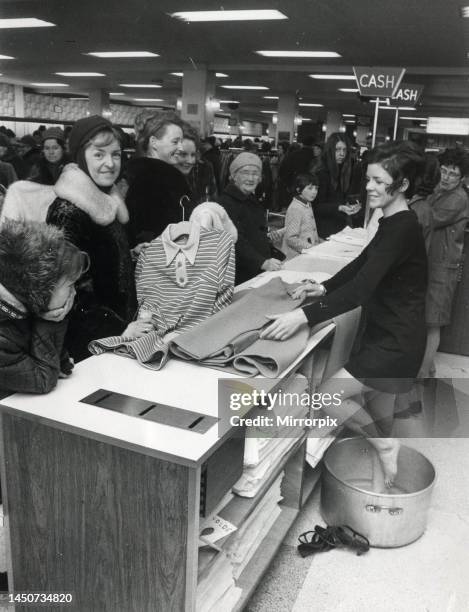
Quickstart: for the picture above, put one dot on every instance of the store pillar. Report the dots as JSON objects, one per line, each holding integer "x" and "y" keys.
{"x": 99, "y": 103}
{"x": 286, "y": 117}
{"x": 333, "y": 123}
{"x": 198, "y": 100}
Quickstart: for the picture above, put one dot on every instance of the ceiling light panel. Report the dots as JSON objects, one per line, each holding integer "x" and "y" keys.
{"x": 80, "y": 74}
{"x": 414, "y": 118}
{"x": 229, "y": 101}
{"x": 50, "y": 84}
{"x": 310, "y": 104}
{"x": 465, "y": 12}
{"x": 221, "y": 75}
{"x": 347, "y": 115}
{"x": 122, "y": 54}
{"x": 348, "y": 89}
{"x": 149, "y": 99}
{"x": 244, "y": 87}
{"x": 27, "y": 22}
{"x": 333, "y": 77}
{"x": 140, "y": 85}
{"x": 6, "y": 57}
{"x": 248, "y": 15}
{"x": 269, "y": 112}
{"x": 298, "y": 53}
{"x": 270, "y": 97}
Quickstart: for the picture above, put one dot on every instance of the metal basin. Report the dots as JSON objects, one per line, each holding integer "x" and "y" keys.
{"x": 388, "y": 519}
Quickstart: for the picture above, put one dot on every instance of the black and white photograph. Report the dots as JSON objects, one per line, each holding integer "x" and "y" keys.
{"x": 234, "y": 306}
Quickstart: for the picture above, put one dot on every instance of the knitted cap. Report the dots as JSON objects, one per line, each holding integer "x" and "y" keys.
{"x": 84, "y": 130}
{"x": 55, "y": 133}
{"x": 28, "y": 140}
{"x": 245, "y": 159}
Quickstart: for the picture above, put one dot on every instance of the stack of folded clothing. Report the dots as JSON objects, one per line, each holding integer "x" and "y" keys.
{"x": 315, "y": 449}
{"x": 243, "y": 544}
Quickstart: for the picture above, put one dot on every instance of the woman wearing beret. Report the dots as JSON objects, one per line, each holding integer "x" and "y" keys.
{"x": 53, "y": 158}
{"x": 253, "y": 250}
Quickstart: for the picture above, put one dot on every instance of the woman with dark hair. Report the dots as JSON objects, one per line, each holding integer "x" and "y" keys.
{"x": 93, "y": 215}
{"x": 158, "y": 193}
{"x": 340, "y": 183}
{"x": 388, "y": 279}
{"x": 53, "y": 158}
{"x": 444, "y": 217}
{"x": 198, "y": 173}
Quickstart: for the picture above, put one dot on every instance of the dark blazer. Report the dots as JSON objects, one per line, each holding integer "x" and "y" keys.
{"x": 153, "y": 198}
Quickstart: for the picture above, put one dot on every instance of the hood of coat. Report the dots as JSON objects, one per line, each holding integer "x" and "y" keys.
{"x": 77, "y": 187}
{"x": 10, "y": 306}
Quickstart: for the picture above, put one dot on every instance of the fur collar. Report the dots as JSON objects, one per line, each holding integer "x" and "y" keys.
{"x": 76, "y": 186}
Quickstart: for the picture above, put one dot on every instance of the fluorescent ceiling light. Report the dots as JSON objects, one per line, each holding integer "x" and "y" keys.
{"x": 80, "y": 74}
{"x": 298, "y": 53}
{"x": 305, "y": 119}
{"x": 347, "y": 115}
{"x": 348, "y": 89}
{"x": 333, "y": 77}
{"x": 139, "y": 86}
{"x": 110, "y": 54}
{"x": 78, "y": 98}
{"x": 404, "y": 108}
{"x": 178, "y": 74}
{"x": 253, "y": 15}
{"x": 148, "y": 99}
{"x": 229, "y": 101}
{"x": 465, "y": 11}
{"x": 221, "y": 75}
{"x": 27, "y": 22}
{"x": 270, "y": 97}
{"x": 50, "y": 84}
{"x": 116, "y": 93}
{"x": 349, "y": 121}
{"x": 269, "y": 112}
{"x": 244, "y": 87}
{"x": 309, "y": 104}
{"x": 414, "y": 118}
{"x": 6, "y": 57}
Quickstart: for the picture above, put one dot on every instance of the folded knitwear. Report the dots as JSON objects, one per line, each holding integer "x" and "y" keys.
{"x": 231, "y": 337}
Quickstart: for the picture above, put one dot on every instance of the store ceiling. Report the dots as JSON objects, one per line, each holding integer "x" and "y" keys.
{"x": 427, "y": 37}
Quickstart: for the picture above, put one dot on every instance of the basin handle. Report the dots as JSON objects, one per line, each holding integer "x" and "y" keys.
{"x": 392, "y": 510}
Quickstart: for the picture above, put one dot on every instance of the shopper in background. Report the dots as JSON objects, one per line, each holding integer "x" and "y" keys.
{"x": 300, "y": 226}
{"x": 254, "y": 251}
{"x": 388, "y": 279}
{"x": 211, "y": 154}
{"x": 29, "y": 150}
{"x": 158, "y": 193}
{"x": 9, "y": 155}
{"x": 340, "y": 186}
{"x": 38, "y": 271}
{"x": 53, "y": 158}
{"x": 444, "y": 219}
{"x": 297, "y": 161}
{"x": 93, "y": 216}
{"x": 199, "y": 173}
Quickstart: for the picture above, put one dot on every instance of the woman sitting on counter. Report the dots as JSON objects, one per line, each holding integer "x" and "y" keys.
{"x": 388, "y": 279}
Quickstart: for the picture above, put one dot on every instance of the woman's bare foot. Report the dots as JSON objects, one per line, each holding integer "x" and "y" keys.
{"x": 388, "y": 451}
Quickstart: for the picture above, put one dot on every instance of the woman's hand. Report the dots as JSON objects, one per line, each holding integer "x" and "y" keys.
{"x": 135, "y": 252}
{"x": 58, "y": 314}
{"x": 271, "y": 265}
{"x": 284, "y": 325}
{"x": 308, "y": 289}
{"x": 137, "y": 329}
{"x": 350, "y": 209}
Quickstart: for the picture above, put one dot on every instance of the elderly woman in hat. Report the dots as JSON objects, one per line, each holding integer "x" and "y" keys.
{"x": 53, "y": 158}
{"x": 253, "y": 250}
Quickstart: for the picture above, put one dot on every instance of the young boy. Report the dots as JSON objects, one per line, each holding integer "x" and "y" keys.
{"x": 38, "y": 269}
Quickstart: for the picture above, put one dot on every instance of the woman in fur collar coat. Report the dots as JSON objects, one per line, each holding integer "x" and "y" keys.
{"x": 87, "y": 205}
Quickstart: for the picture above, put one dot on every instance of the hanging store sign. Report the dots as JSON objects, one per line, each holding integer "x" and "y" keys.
{"x": 408, "y": 93}
{"x": 378, "y": 82}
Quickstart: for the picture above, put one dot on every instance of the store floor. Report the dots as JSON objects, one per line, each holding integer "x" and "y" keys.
{"x": 429, "y": 575}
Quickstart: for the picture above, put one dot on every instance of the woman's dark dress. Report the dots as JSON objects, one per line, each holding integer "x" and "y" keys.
{"x": 389, "y": 280}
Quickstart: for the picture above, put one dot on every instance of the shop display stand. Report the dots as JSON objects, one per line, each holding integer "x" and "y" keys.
{"x": 106, "y": 506}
